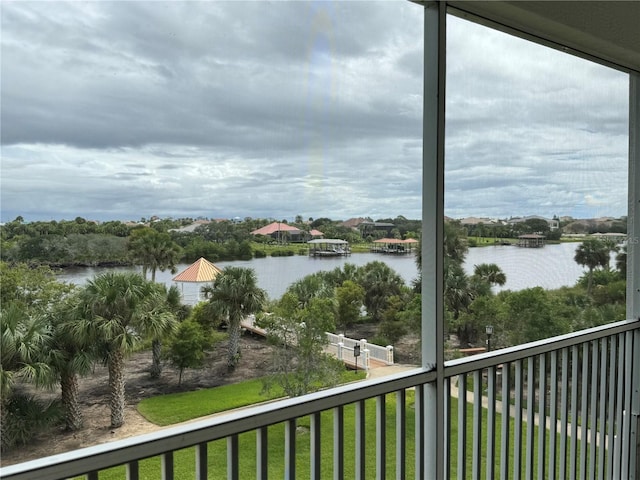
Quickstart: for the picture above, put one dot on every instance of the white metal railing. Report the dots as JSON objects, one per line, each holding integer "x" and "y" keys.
{"x": 374, "y": 352}
{"x": 585, "y": 381}
{"x": 343, "y": 348}
{"x": 557, "y": 408}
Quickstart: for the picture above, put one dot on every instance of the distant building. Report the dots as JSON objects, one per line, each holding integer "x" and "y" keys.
{"x": 191, "y": 228}
{"x": 473, "y": 221}
{"x": 281, "y": 231}
{"x": 554, "y": 224}
{"x": 355, "y": 222}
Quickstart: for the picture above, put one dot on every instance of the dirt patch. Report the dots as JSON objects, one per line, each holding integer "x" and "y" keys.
{"x": 94, "y": 391}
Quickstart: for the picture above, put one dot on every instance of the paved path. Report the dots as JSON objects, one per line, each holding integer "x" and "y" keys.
{"x": 384, "y": 371}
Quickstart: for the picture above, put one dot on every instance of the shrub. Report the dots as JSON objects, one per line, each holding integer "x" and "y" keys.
{"x": 26, "y": 417}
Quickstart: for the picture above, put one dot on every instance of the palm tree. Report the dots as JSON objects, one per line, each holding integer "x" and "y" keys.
{"x": 163, "y": 326}
{"x": 23, "y": 338}
{"x": 593, "y": 253}
{"x": 490, "y": 273}
{"x": 68, "y": 357}
{"x": 154, "y": 251}
{"x": 380, "y": 282}
{"x": 116, "y": 310}
{"x": 458, "y": 295}
{"x": 236, "y": 294}
{"x": 455, "y": 245}
{"x": 457, "y": 292}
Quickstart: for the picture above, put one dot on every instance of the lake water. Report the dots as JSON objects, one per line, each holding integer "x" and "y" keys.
{"x": 549, "y": 267}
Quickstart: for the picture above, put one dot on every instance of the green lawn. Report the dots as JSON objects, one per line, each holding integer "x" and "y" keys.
{"x": 179, "y": 407}
{"x": 203, "y": 401}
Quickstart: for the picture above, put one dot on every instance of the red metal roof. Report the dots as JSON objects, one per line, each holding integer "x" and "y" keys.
{"x": 200, "y": 271}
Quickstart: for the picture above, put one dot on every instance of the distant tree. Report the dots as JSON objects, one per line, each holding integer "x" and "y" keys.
{"x": 530, "y": 316}
{"x": 300, "y": 364}
{"x": 593, "y": 253}
{"x": 489, "y": 274}
{"x": 455, "y": 246}
{"x": 310, "y": 287}
{"x": 186, "y": 349}
{"x": 349, "y": 298}
{"x": 379, "y": 282}
{"x": 536, "y": 225}
{"x": 394, "y": 324}
{"x": 483, "y": 311}
{"x": 458, "y": 296}
{"x": 154, "y": 251}
{"x": 35, "y": 289}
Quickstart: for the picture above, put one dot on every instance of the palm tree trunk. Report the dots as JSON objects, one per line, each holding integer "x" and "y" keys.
{"x": 156, "y": 366}
{"x": 234, "y": 342}
{"x": 116, "y": 387}
{"x": 72, "y": 413}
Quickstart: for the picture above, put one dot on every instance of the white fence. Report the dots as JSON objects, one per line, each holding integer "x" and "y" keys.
{"x": 344, "y": 347}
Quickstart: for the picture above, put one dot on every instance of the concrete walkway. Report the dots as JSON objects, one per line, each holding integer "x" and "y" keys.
{"x": 385, "y": 371}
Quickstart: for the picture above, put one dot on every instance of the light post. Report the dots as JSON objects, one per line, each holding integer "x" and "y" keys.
{"x": 489, "y": 331}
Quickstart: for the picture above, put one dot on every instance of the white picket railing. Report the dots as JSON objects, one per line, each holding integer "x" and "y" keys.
{"x": 343, "y": 348}
{"x": 586, "y": 377}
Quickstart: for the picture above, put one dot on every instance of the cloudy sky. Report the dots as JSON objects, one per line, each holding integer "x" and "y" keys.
{"x": 123, "y": 110}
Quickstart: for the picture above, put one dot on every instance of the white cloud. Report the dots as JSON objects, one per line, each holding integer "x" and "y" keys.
{"x": 222, "y": 109}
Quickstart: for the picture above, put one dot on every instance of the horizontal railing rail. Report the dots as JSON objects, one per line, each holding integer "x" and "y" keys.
{"x": 510, "y": 354}
{"x": 587, "y": 420}
{"x": 556, "y": 408}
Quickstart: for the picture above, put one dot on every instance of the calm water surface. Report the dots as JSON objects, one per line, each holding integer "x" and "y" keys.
{"x": 549, "y": 267}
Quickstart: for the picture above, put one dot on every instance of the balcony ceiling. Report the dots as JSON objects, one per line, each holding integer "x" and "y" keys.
{"x": 606, "y": 30}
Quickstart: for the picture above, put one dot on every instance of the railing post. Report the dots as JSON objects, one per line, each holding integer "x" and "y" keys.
{"x": 365, "y": 354}
{"x": 390, "y": 354}
{"x": 633, "y": 272}
{"x": 433, "y": 235}
{"x": 340, "y": 346}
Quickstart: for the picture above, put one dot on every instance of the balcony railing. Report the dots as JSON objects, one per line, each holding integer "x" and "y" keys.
{"x": 568, "y": 416}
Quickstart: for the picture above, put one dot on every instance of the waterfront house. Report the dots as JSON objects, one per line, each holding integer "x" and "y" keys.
{"x": 281, "y": 232}
{"x": 601, "y": 441}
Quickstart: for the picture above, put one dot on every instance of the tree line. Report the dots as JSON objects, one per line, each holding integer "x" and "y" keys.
{"x": 52, "y": 333}
{"x": 81, "y": 242}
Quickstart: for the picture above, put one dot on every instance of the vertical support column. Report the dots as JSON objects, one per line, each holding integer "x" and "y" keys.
{"x": 633, "y": 270}
{"x": 432, "y": 233}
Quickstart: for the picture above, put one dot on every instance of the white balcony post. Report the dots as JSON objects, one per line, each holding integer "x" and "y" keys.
{"x": 633, "y": 269}
{"x": 365, "y": 354}
{"x": 432, "y": 236}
